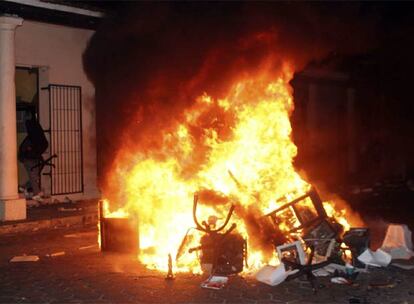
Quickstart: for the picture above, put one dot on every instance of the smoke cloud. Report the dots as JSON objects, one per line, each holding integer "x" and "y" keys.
{"x": 149, "y": 61}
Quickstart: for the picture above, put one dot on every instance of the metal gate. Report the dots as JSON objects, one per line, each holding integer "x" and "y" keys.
{"x": 66, "y": 139}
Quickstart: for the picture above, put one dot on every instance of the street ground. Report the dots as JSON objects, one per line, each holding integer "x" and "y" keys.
{"x": 85, "y": 275}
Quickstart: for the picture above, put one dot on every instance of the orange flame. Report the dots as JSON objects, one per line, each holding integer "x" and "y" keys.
{"x": 238, "y": 148}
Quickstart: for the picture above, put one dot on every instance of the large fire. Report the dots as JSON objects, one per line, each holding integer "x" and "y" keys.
{"x": 236, "y": 150}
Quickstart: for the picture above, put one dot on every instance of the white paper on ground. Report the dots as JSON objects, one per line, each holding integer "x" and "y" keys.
{"x": 25, "y": 258}
{"x": 378, "y": 258}
{"x": 340, "y": 280}
{"x": 398, "y": 242}
{"x": 215, "y": 282}
{"x": 321, "y": 272}
{"x": 329, "y": 269}
{"x": 273, "y": 275}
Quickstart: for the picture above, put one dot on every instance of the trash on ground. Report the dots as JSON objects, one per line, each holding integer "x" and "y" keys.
{"x": 67, "y": 200}
{"x": 330, "y": 269}
{"x": 273, "y": 275}
{"x": 378, "y": 258}
{"x": 357, "y": 240}
{"x": 215, "y": 282}
{"x": 32, "y": 203}
{"x": 25, "y": 258}
{"x": 56, "y": 254}
{"x": 293, "y": 251}
{"x": 88, "y": 247}
{"x": 397, "y": 242}
{"x": 341, "y": 280}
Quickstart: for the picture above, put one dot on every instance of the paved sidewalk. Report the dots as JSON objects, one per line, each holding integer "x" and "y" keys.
{"x": 71, "y": 269}
{"x": 53, "y": 216}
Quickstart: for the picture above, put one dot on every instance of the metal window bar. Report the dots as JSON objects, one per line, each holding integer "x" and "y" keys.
{"x": 65, "y": 104}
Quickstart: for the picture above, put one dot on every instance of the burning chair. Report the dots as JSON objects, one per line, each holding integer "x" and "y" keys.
{"x": 222, "y": 253}
{"x": 306, "y": 219}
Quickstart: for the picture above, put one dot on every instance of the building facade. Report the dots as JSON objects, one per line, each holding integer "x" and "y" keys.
{"x": 41, "y": 70}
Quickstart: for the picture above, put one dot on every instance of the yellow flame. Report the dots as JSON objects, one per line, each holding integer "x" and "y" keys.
{"x": 239, "y": 146}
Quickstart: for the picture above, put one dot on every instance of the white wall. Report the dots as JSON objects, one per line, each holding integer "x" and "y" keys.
{"x": 57, "y": 51}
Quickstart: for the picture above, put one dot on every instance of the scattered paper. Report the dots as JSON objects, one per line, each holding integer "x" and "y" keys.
{"x": 25, "y": 258}
{"x": 340, "y": 280}
{"x": 215, "y": 282}
{"x": 321, "y": 272}
{"x": 273, "y": 275}
{"x": 331, "y": 268}
{"x": 87, "y": 247}
{"x": 378, "y": 258}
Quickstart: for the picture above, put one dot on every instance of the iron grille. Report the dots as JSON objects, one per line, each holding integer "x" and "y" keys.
{"x": 66, "y": 139}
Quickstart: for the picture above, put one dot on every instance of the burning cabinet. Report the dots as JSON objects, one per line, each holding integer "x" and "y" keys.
{"x": 117, "y": 234}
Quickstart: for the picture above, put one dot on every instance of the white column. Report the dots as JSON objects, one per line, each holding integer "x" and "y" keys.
{"x": 11, "y": 207}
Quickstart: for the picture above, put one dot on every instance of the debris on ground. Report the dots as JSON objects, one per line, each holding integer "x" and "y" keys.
{"x": 273, "y": 275}
{"x": 88, "y": 247}
{"x": 293, "y": 251}
{"x": 378, "y": 258}
{"x": 341, "y": 280}
{"x": 56, "y": 254}
{"x": 215, "y": 282}
{"x": 25, "y": 258}
{"x": 320, "y": 247}
{"x": 357, "y": 240}
{"x": 32, "y": 203}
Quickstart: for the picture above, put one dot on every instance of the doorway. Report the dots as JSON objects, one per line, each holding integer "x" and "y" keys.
{"x": 27, "y": 100}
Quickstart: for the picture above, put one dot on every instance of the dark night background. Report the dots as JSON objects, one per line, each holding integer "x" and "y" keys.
{"x": 143, "y": 54}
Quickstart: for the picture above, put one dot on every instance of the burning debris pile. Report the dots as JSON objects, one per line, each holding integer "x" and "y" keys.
{"x": 205, "y": 100}
{"x": 234, "y": 151}
{"x": 232, "y": 158}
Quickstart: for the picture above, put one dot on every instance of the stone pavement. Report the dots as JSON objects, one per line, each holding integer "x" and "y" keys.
{"x": 84, "y": 275}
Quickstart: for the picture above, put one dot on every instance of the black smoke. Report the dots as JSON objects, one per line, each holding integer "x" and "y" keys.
{"x": 148, "y": 61}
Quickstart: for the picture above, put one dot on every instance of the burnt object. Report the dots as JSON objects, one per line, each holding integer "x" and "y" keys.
{"x": 307, "y": 209}
{"x": 292, "y": 252}
{"x": 357, "y": 240}
{"x": 305, "y": 270}
{"x": 222, "y": 253}
{"x": 118, "y": 234}
{"x": 323, "y": 236}
{"x": 170, "y": 275}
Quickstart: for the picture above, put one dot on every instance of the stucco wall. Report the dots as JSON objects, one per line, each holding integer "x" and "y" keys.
{"x": 57, "y": 51}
